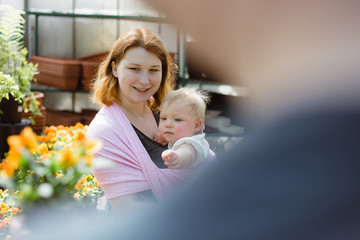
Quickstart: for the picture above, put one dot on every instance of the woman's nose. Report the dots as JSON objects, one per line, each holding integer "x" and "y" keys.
{"x": 144, "y": 78}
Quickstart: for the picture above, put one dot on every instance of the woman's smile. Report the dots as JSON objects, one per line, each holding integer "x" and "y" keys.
{"x": 142, "y": 90}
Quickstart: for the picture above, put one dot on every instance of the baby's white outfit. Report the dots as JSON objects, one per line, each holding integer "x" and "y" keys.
{"x": 200, "y": 145}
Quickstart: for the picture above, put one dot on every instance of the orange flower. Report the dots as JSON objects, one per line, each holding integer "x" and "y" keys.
{"x": 59, "y": 175}
{"x": 50, "y": 132}
{"x": 11, "y": 163}
{"x": 26, "y": 139}
{"x": 29, "y": 139}
{"x": 42, "y": 149}
{"x": 80, "y": 184}
{"x": 43, "y": 139}
{"x": 5, "y": 222}
{"x": 96, "y": 182}
{"x": 4, "y": 208}
{"x": 79, "y": 125}
{"x": 80, "y": 135}
{"x": 15, "y": 210}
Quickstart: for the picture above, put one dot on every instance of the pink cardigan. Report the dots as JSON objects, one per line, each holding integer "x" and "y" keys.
{"x": 133, "y": 170}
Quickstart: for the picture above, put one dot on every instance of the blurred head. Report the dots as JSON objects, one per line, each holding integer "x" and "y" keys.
{"x": 284, "y": 51}
{"x": 143, "y": 48}
{"x": 182, "y": 114}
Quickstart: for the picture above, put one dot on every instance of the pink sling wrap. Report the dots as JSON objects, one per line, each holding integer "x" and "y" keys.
{"x": 133, "y": 171}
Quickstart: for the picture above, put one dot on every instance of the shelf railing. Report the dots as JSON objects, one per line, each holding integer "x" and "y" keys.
{"x": 37, "y": 14}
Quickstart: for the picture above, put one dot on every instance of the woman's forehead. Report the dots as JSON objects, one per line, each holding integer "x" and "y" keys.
{"x": 141, "y": 56}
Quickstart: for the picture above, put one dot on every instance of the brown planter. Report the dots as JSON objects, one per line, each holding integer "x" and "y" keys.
{"x": 61, "y": 67}
{"x": 63, "y": 73}
{"x": 66, "y": 118}
{"x": 89, "y": 68}
{"x": 65, "y": 83}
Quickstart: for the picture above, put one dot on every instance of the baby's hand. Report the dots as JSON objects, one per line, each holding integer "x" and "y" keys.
{"x": 158, "y": 138}
{"x": 171, "y": 159}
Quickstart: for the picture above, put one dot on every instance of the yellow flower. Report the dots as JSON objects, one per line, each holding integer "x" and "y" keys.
{"x": 4, "y": 191}
{"x": 89, "y": 177}
{"x": 77, "y": 196}
{"x": 4, "y": 208}
{"x": 20, "y": 195}
{"x": 67, "y": 158}
{"x": 42, "y": 149}
{"x": 59, "y": 175}
{"x": 85, "y": 191}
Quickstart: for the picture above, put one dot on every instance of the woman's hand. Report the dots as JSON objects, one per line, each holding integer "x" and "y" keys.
{"x": 158, "y": 138}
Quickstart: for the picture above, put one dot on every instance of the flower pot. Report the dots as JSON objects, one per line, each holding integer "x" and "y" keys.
{"x": 89, "y": 68}
{"x": 38, "y": 96}
{"x": 11, "y": 110}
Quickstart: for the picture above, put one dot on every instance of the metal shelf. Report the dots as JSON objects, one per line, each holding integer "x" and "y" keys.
{"x": 37, "y": 14}
{"x": 110, "y": 16}
{"x": 220, "y": 88}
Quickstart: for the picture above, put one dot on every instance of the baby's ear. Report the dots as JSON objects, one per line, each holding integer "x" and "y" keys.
{"x": 198, "y": 126}
{"x": 114, "y": 70}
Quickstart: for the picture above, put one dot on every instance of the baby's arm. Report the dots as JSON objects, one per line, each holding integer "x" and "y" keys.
{"x": 181, "y": 158}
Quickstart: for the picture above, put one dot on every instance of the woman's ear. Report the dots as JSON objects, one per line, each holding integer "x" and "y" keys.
{"x": 114, "y": 70}
{"x": 198, "y": 126}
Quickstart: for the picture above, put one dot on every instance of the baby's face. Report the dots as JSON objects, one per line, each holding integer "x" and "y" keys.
{"x": 177, "y": 121}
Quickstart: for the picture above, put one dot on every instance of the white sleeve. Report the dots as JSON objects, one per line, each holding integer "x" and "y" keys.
{"x": 200, "y": 145}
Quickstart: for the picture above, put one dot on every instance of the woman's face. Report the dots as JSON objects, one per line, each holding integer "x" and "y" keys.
{"x": 139, "y": 75}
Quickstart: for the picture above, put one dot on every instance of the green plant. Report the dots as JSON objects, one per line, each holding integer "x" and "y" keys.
{"x": 16, "y": 73}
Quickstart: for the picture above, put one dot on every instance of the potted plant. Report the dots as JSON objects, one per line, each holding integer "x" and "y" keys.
{"x": 16, "y": 73}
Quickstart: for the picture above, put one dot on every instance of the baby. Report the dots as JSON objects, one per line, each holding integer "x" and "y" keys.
{"x": 182, "y": 114}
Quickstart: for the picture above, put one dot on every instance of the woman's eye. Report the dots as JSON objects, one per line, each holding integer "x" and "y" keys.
{"x": 154, "y": 70}
{"x": 135, "y": 69}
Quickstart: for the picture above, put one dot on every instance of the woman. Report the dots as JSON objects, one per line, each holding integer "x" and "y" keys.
{"x": 130, "y": 84}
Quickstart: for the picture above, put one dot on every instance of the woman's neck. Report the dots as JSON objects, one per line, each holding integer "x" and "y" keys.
{"x": 136, "y": 109}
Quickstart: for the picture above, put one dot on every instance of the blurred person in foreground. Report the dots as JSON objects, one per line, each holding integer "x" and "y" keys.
{"x": 296, "y": 174}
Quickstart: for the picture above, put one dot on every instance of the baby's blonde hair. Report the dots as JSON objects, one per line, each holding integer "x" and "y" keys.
{"x": 195, "y": 99}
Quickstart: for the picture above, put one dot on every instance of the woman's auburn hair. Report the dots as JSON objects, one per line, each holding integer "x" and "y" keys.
{"x": 105, "y": 88}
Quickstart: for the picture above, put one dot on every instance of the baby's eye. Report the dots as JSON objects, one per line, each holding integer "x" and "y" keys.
{"x": 163, "y": 119}
{"x": 178, "y": 119}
